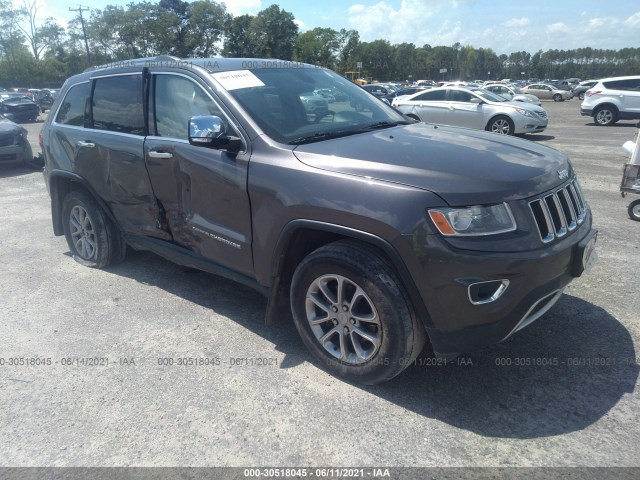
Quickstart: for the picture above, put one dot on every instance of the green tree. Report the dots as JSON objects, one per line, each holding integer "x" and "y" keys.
{"x": 273, "y": 33}
{"x": 207, "y": 21}
{"x": 237, "y": 42}
{"x": 319, "y": 46}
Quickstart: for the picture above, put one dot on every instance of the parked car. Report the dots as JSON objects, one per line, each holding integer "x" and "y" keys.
{"x": 14, "y": 146}
{"x": 377, "y": 89}
{"x": 18, "y": 108}
{"x": 547, "y": 92}
{"x": 580, "y": 89}
{"x": 403, "y": 92}
{"x": 316, "y": 106}
{"x": 374, "y": 231}
{"x": 511, "y": 93}
{"x": 613, "y": 99}
{"x": 473, "y": 107}
{"x": 45, "y": 98}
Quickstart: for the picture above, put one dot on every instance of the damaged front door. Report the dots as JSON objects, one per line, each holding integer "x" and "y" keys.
{"x": 202, "y": 191}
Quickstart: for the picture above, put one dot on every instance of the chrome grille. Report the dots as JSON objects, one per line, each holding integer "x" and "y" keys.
{"x": 542, "y": 115}
{"x": 559, "y": 212}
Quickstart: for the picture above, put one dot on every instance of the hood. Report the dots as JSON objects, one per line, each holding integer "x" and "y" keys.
{"x": 7, "y": 126}
{"x": 464, "y": 167}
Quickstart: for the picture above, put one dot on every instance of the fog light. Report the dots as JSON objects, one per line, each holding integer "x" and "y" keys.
{"x": 487, "y": 292}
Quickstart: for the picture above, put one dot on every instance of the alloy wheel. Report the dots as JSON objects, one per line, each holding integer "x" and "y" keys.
{"x": 343, "y": 319}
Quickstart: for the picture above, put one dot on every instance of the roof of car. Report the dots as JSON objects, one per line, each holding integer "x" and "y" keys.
{"x": 212, "y": 64}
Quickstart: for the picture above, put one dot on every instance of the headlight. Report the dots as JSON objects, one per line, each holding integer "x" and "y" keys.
{"x": 473, "y": 221}
{"x": 524, "y": 112}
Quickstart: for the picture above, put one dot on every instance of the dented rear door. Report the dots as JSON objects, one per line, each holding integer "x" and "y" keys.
{"x": 110, "y": 153}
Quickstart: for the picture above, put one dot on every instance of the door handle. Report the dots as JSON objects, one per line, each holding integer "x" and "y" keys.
{"x": 82, "y": 143}
{"x": 157, "y": 154}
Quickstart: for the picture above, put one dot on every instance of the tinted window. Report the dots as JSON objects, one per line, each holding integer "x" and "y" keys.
{"x": 177, "y": 99}
{"x": 117, "y": 104}
{"x": 71, "y": 110}
{"x": 459, "y": 96}
{"x": 631, "y": 84}
{"x": 431, "y": 96}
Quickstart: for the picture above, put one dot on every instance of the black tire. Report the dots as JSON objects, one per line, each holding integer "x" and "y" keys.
{"x": 581, "y": 96}
{"x": 605, "y": 115}
{"x": 634, "y": 210}
{"x": 92, "y": 237}
{"x": 557, "y": 97}
{"x": 501, "y": 124}
{"x": 381, "y": 311}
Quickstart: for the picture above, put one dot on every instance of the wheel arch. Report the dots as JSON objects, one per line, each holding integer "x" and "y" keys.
{"x": 61, "y": 183}
{"x": 610, "y": 105}
{"x": 301, "y": 237}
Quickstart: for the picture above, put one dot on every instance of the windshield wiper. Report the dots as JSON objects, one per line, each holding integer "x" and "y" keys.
{"x": 316, "y": 137}
{"x": 384, "y": 124}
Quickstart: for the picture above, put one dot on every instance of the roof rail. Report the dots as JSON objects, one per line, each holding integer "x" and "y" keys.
{"x": 157, "y": 58}
{"x": 167, "y": 58}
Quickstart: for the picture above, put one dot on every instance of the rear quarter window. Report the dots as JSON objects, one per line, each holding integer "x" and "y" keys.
{"x": 72, "y": 108}
{"x": 632, "y": 84}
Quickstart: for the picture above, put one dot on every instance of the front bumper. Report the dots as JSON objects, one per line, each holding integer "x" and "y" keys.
{"x": 535, "y": 280}
{"x": 529, "y": 125}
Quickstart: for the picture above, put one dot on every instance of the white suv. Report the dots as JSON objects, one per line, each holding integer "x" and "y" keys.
{"x": 613, "y": 99}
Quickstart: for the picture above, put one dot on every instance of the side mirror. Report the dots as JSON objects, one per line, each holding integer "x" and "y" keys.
{"x": 475, "y": 100}
{"x": 206, "y": 130}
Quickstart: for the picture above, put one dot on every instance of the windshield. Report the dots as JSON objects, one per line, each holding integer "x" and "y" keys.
{"x": 306, "y": 104}
{"x": 490, "y": 96}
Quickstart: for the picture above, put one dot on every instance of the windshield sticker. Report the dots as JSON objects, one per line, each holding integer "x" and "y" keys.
{"x": 237, "y": 79}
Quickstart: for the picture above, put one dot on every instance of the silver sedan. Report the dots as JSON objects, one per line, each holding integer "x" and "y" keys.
{"x": 473, "y": 108}
{"x": 547, "y": 92}
{"x": 511, "y": 93}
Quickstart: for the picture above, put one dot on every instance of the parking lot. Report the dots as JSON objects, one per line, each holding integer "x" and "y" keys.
{"x": 151, "y": 364}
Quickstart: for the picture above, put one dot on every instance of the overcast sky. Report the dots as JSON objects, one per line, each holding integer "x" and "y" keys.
{"x": 502, "y": 25}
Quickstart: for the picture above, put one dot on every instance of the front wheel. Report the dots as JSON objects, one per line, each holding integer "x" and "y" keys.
{"x": 634, "y": 210}
{"x": 92, "y": 237}
{"x": 353, "y": 313}
{"x": 557, "y": 97}
{"x": 502, "y": 125}
{"x": 581, "y": 96}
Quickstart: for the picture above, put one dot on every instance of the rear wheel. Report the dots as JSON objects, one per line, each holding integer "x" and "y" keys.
{"x": 605, "y": 116}
{"x": 353, "y": 314}
{"x": 634, "y": 210}
{"x": 502, "y": 125}
{"x": 92, "y": 237}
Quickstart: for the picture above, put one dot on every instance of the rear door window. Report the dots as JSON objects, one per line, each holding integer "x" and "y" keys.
{"x": 432, "y": 96}
{"x": 117, "y": 104}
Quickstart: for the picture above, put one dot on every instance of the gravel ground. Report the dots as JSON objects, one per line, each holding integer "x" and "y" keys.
{"x": 560, "y": 393}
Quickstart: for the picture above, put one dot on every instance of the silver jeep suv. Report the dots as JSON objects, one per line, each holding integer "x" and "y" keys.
{"x": 613, "y": 99}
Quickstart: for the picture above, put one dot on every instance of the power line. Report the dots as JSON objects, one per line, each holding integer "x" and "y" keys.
{"x": 81, "y": 9}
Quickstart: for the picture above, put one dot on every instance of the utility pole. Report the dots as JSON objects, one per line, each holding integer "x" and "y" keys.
{"x": 81, "y": 9}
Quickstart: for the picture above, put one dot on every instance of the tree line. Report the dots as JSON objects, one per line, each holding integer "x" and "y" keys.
{"x": 36, "y": 52}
